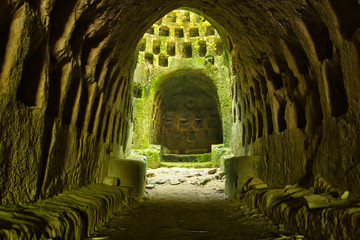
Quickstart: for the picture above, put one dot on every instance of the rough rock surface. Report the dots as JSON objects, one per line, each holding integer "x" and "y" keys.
{"x": 71, "y": 215}
{"x": 65, "y": 80}
{"x": 338, "y": 219}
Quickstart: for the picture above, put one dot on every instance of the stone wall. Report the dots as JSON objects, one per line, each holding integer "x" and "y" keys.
{"x": 180, "y": 40}
{"x": 65, "y": 104}
{"x": 186, "y": 116}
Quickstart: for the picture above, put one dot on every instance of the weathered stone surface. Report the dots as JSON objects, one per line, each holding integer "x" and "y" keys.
{"x": 131, "y": 172}
{"x": 183, "y": 47}
{"x": 151, "y": 175}
{"x": 238, "y": 171}
{"x": 204, "y": 180}
{"x": 174, "y": 182}
{"x": 160, "y": 181}
{"x": 150, "y": 186}
{"x": 65, "y": 89}
{"x": 212, "y": 171}
{"x": 329, "y": 221}
{"x": 112, "y": 181}
{"x": 71, "y": 215}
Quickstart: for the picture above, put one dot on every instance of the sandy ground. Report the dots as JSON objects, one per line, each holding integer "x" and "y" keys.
{"x": 184, "y": 203}
{"x": 183, "y": 184}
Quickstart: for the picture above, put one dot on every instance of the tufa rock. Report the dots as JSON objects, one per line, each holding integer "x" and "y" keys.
{"x": 203, "y": 181}
{"x": 251, "y": 183}
{"x": 160, "y": 181}
{"x": 174, "y": 182}
{"x": 212, "y": 171}
{"x": 150, "y": 186}
{"x": 345, "y": 195}
{"x": 149, "y": 175}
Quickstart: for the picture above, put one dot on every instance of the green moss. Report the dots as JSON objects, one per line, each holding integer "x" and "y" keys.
{"x": 153, "y": 156}
{"x": 187, "y": 164}
{"x": 149, "y": 76}
{"x": 195, "y": 158}
{"x": 142, "y": 113}
{"x": 217, "y": 151}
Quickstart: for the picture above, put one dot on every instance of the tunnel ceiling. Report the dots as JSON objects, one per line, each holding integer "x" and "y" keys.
{"x": 186, "y": 81}
{"x": 66, "y": 95}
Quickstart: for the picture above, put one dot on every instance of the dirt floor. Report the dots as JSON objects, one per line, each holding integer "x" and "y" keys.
{"x": 182, "y": 203}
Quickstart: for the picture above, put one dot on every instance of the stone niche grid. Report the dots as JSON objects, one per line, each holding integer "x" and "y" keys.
{"x": 172, "y": 45}
{"x": 180, "y": 35}
{"x": 186, "y": 115}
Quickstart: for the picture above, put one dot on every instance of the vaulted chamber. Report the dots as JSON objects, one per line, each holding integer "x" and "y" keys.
{"x": 186, "y": 114}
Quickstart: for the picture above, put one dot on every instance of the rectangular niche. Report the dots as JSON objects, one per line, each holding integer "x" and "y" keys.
{"x": 184, "y": 124}
{"x": 149, "y": 57}
{"x": 199, "y": 124}
{"x": 199, "y": 114}
{"x": 156, "y": 46}
{"x": 142, "y": 45}
{"x": 177, "y": 135}
{"x": 186, "y": 17}
{"x": 171, "y": 18}
{"x": 164, "y": 31}
{"x": 150, "y": 31}
{"x": 163, "y": 61}
{"x": 171, "y": 48}
{"x": 192, "y": 136}
{"x": 209, "y": 31}
{"x": 169, "y": 124}
{"x": 193, "y": 32}
{"x": 202, "y": 48}
{"x": 187, "y": 50}
{"x": 179, "y": 32}
{"x": 219, "y": 49}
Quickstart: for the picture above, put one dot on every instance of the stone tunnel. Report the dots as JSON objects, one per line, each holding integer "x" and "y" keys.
{"x": 66, "y": 106}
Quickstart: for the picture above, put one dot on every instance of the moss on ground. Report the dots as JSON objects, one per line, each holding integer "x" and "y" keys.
{"x": 187, "y": 164}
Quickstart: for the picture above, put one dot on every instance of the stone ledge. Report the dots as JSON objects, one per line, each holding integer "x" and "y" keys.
{"x": 73, "y": 214}
{"x": 131, "y": 172}
{"x": 292, "y": 211}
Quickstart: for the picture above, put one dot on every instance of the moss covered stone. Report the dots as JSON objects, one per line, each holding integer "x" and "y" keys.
{"x": 177, "y": 46}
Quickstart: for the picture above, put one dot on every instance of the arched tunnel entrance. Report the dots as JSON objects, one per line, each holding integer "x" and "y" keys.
{"x": 66, "y": 104}
{"x": 186, "y": 113}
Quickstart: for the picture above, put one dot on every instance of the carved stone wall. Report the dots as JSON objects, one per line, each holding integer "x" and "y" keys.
{"x": 188, "y": 123}
{"x": 65, "y": 99}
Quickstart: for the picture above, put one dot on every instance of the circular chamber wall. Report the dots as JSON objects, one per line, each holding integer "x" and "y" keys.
{"x": 186, "y": 113}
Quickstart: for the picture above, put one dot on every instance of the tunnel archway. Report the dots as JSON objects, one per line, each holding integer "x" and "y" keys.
{"x": 294, "y": 63}
{"x": 66, "y": 101}
{"x": 186, "y": 113}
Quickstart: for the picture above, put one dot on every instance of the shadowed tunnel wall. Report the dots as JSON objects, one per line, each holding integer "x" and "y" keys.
{"x": 65, "y": 81}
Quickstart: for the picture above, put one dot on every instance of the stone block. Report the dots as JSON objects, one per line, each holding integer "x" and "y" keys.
{"x": 238, "y": 170}
{"x": 131, "y": 172}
